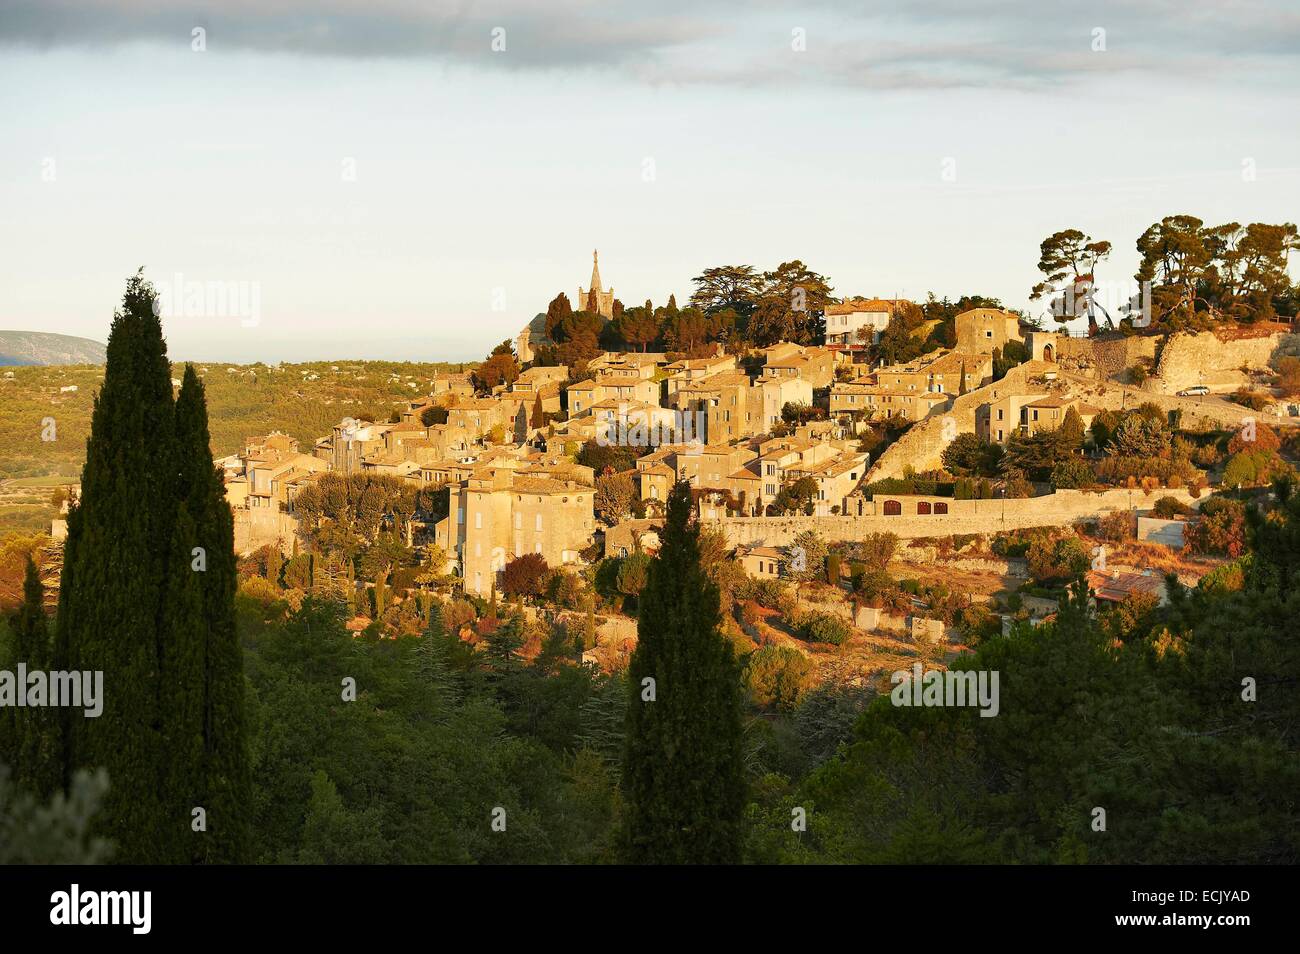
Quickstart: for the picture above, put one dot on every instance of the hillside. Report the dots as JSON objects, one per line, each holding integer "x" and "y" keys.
{"x": 44, "y": 348}
{"x": 243, "y": 400}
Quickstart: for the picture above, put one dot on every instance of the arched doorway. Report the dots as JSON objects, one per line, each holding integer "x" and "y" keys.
{"x": 923, "y": 507}
{"x": 893, "y": 508}
{"x": 1049, "y": 353}
{"x": 940, "y": 507}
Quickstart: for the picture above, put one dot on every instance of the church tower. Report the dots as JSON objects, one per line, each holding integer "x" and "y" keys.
{"x": 604, "y": 299}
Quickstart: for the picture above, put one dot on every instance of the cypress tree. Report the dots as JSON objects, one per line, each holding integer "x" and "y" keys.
{"x": 181, "y": 695}
{"x": 223, "y": 782}
{"x": 148, "y": 597}
{"x": 682, "y": 770}
{"x": 33, "y": 733}
{"x": 111, "y": 606}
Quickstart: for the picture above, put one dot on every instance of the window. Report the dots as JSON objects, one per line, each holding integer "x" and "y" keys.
{"x": 538, "y": 527}
{"x": 923, "y": 507}
{"x": 478, "y": 520}
{"x": 940, "y": 507}
{"x": 988, "y": 334}
{"x": 893, "y": 508}
{"x": 519, "y": 521}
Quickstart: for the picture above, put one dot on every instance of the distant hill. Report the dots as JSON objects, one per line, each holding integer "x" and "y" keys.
{"x": 43, "y": 348}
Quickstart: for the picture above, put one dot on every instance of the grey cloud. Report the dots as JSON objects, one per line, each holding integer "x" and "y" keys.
{"x": 902, "y": 44}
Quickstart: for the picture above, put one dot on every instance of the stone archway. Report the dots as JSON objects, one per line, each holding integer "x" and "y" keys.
{"x": 1049, "y": 353}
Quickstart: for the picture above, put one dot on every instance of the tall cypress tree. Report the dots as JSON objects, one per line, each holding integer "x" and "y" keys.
{"x": 147, "y": 597}
{"x": 682, "y": 770}
{"x": 111, "y": 605}
{"x": 223, "y": 784}
{"x": 33, "y": 732}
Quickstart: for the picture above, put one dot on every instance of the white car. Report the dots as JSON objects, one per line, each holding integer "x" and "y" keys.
{"x": 1194, "y": 392}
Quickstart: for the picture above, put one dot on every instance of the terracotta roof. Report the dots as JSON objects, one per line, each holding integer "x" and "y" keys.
{"x": 1114, "y": 586}
{"x": 864, "y": 304}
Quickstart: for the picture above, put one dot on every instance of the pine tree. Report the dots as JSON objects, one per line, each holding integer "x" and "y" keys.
{"x": 225, "y": 790}
{"x": 115, "y": 574}
{"x": 683, "y": 775}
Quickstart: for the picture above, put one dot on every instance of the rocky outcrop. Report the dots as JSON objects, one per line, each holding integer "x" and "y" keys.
{"x": 1216, "y": 358}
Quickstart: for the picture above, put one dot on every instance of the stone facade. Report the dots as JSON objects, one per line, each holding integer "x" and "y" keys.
{"x": 980, "y": 330}
{"x": 497, "y": 515}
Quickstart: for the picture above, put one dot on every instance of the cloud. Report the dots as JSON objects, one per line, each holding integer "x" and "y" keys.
{"x": 1023, "y": 44}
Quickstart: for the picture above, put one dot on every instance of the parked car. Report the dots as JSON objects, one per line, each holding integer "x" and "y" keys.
{"x": 1196, "y": 391}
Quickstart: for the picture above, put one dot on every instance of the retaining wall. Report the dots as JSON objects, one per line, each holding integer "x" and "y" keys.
{"x": 965, "y": 516}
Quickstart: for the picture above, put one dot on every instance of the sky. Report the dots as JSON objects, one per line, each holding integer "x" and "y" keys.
{"x": 415, "y": 179}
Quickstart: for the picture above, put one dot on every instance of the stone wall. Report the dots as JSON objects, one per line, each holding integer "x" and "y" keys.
{"x": 1062, "y": 508}
{"x": 262, "y": 526}
{"x": 1198, "y": 413}
{"x": 1111, "y": 357}
{"x": 1155, "y": 530}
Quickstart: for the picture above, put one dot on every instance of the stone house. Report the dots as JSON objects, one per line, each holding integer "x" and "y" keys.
{"x": 498, "y": 514}
{"x": 980, "y": 330}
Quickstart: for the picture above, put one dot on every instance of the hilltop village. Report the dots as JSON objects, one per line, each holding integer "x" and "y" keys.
{"x": 873, "y": 476}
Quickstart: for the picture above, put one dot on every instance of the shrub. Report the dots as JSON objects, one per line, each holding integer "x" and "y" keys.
{"x": 778, "y": 677}
{"x": 1221, "y": 529}
{"x": 1118, "y": 526}
{"x": 1252, "y": 468}
{"x": 1251, "y": 399}
{"x": 824, "y": 628}
{"x": 1072, "y": 474}
{"x": 1254, "y": 438}
{"x": 1168, "y": 508}
{"x": 1055, "y": 561}
{"x": 525, "y": 575}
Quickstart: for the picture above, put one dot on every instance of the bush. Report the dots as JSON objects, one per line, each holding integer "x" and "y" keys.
{"x": 1221, "y": 529}
{"x": 1118, "y": 526}
{"x": 770, "y": 594}
{"x": 778, "y": 677}
{"x": 1056, "y": 561}
{"x": 824, "y": 628}
{"x": 1130, "y": 470}
{"x": 1072, "y": 474}
{"x": 1253, "y": 468}
{"x": 1167, "y": 508}
{"x": 525, "y": 575}
{"x": 1251, "y": 399}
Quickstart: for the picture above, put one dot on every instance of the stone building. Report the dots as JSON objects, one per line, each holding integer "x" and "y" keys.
{"x": 980, "y": 330}
{"x": 859, "y": 321}
{"x": 497, "y": 515}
